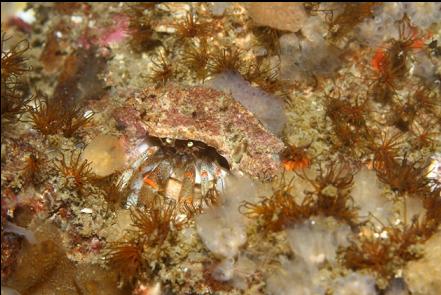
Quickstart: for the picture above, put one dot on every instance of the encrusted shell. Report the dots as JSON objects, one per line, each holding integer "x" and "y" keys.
{"x": 215, "y": 118}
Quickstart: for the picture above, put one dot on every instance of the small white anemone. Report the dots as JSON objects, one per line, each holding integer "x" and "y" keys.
{"x": 355, "y": 284}
{"x": 317, "y": 241}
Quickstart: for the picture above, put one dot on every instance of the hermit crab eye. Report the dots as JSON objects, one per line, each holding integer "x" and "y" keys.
{"x": 168, "y": 140}
{"x": 190, "y": 144}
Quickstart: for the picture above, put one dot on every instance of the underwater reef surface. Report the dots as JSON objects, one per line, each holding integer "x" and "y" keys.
{"x": 221, "y": 148}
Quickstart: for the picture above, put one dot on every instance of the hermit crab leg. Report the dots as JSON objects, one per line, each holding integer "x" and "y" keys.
{"x": 127, "y": 175}
{"x": 219, "y": 175}
{"x": 187, "y": 188}
{"x": 157, "y": 178}
{"x": 132, "y": 177}
{"x": 204, "y": 172}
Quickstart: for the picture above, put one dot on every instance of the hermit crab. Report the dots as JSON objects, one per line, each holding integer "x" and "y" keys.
{"x": 184, "y": 169}
{"x": 196, "y": 135}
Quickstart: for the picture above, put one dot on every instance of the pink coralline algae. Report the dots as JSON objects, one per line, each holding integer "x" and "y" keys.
{"x": 214, "y": 118}
{"x": 115, "y": 33}
{"x": 104, "y": 36}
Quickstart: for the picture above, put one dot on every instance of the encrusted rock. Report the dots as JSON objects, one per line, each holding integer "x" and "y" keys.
{"x": 215, "y": 118}
{"x": 128, "y": 119}
{"x": 10, "y": 247}
{"x": 423, "y": 276}
{"x": 279, "y": 15}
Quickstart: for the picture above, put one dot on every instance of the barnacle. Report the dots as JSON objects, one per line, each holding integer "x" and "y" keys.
{"x": 49, "y": 117}
{"x": 140, "y": 28}
{"x": 13, "y": 67}
{"x": 73, "y": 119}
{"x": 391, "y": 64}
{"x": 332, "y": 187}
{"x": 196, "y": 59}
{"x": 349, "y": 121}
{"x": 269, "y": 38}
{"x": 432, "y": 204}
{"x": 346, "y": 134}
{"x": 409, "y": 39}
{"x": 75, "y": 168}
{"x": 13, "y": 59}
{"x": 162, "y": 70}
{"x": 376, "y": 255}
{"x": 382, "y": 89}
{"x": 156, "y": 220}
{"x": 339, "y": 176}
{"x": 125, "y": 257}
{"x": 403, "y": 116}
{"x": 425, "y": 135}
{"x": 33, "y": 167}
{"x": 190, "y": 28}
{"x": 226, "y": 59}
{"x": 405, "y": 176}
{"x": 209, "y": 200}
{"x": 280, "y": 209}
{"x": 351, "y": 15}
{"x": 386, "y": 254}
{"x": 341, "y": 110}
{"x": 46, "y": 116}
{"x": 114, "y": 192}
{"x": 387, "y": 149}
{"x": 265, "y": 76}
{"x": 330, "y": 198}
{"x": 425, "y": 99}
